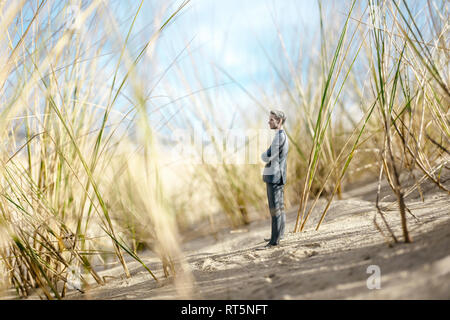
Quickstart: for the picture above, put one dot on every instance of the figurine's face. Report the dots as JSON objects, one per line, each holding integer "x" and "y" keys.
{"x": 274, "y": 123}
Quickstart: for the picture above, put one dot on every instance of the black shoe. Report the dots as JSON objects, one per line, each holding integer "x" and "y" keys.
{"x": 270, "y": 245}
{"x": 268, "y": 239}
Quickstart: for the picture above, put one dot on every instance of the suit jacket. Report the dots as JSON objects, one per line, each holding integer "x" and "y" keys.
{"x": 276, "y": 159}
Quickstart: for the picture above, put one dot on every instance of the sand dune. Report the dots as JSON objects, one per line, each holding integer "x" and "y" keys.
{"x": 331, "y": 263}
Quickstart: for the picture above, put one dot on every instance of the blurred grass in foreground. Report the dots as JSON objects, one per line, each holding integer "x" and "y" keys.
{"x": 60, "y": 143}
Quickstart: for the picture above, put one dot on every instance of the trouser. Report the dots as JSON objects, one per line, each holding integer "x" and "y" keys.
{"x": 275, "y": 197}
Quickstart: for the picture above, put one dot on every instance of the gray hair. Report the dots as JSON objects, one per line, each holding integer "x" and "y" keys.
{"x": 279, "y": 115}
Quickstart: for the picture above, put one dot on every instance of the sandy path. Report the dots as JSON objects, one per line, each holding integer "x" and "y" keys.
{"x": 327, "y": 264}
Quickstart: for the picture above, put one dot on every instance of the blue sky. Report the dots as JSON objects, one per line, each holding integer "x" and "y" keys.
{"x": 210, "y": 38}
{"x": 232, "y": 33}
{"x": 211, "y": 35}
{"x": 206, "y": 40}
{"x": 234, "y": 36}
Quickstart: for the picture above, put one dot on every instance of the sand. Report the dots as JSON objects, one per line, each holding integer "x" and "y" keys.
{"x": 331, "y": 263}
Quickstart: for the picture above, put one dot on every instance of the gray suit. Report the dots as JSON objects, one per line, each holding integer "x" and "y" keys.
{"x": 276, "y": 159}
{"x": 274, "y": 176}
